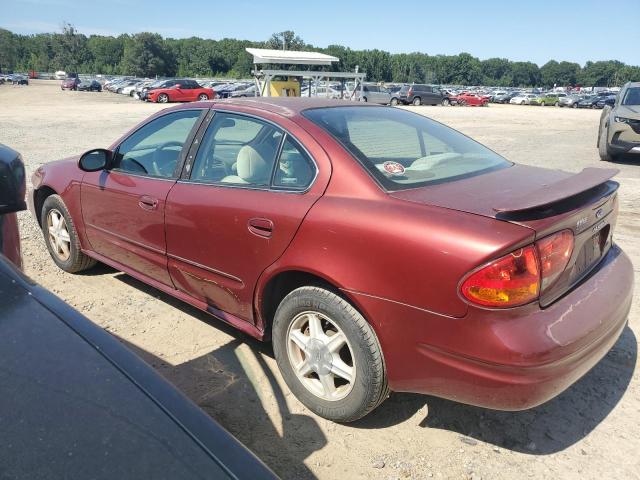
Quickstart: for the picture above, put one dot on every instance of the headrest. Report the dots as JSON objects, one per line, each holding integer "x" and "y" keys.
{"x": 251, "y": 166}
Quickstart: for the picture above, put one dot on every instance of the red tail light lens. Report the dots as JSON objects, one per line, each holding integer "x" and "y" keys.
{"x": 506, "y": 282}
{"x": 410, "y": 92}
{"x": 554, "y": 253}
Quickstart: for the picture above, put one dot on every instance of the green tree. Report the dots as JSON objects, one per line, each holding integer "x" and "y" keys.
{"x": 70, "y": 49}
{"x": 287, "y": 40}
{"x": 8, "y": 50}
{"x": 146, "y": 55}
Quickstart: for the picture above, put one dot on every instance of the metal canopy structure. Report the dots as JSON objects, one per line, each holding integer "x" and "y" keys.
{"x": 288, "y": 57}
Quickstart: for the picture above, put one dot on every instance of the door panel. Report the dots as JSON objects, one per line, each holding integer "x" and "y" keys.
{"x": 123, "y": 225}
{"x": 215, "y": 247}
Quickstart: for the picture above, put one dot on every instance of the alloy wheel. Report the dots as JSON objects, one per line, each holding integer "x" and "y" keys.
{"x": 59, "y": 238}
{"x": 321, "y": 356}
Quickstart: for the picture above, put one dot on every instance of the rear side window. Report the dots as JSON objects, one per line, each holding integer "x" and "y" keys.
{"x": 404, "y": 150}
{"x": 295, "y": 170}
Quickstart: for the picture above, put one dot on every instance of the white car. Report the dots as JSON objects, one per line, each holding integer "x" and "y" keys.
{"x": 130, "y": 89}
{"x": 523, "y": 99}
{"x": 321, "y": 91}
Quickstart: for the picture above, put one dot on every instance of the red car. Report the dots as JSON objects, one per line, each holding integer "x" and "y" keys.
{"x": 470, "y": 99}
{"x": 187, "y": 91}
{"x": 379, "y": 250}
{"x": 70, "y": 84}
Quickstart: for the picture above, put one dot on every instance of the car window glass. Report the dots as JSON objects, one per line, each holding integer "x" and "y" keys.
{"x": 632, "y": 96}
{"x": 154, "y": 149}
{"x": 237, "y": 150}
{"x": 295, "y": 170}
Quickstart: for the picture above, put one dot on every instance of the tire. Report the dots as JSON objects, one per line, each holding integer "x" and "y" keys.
{"x": 202, "y": 97}
{"x": 603, "y": 151}
{"x": 364, "y": 99}
{"x": 542, "y": 104}
{"x": 353, "y": 399}
{"x": 416, "y": 101}
{"x": 394, "y": 102}
{"x": 575, "y": 105}
{"x": 163, "y": 98}
{"x": 557, "y": 104}
{"x": 75, "y": 261}
{"x": 132, "y": 93}
{"x": 446, "y": 102}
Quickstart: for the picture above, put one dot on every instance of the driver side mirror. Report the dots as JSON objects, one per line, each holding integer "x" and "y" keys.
{"x": 95, "y": 160}
{"x": 12, "y": 182}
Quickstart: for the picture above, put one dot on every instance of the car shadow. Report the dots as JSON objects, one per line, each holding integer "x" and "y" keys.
{"x": 628, "y": 159}
{"x": 233, "y": 384}
{"x": 548, "y": 428}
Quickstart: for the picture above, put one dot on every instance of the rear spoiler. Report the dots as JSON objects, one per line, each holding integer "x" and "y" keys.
{"x": 560, "y": 190}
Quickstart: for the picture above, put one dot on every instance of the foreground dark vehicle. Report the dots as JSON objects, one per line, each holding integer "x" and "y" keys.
{"x": 75, "y": 403}
{"x": 379, "y": 250}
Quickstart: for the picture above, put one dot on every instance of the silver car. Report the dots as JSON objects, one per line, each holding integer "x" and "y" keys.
{"x": 375, "y": 94}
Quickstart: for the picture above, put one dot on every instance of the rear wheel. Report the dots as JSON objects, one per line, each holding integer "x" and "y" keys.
{"x": 417, "y": 101}
{"x": 61, "y": 237}
{"x": 394, "y": 102}
{"x": 445, "y": 102}
{"x": 575, "y": 105}
{"x": 163, "y": 98}
{"x": 329, "y": 355}
{"x": 203, "y": 96}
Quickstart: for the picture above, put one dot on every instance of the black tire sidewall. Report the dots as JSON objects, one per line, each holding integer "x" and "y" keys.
{"x": 358, "y": 402}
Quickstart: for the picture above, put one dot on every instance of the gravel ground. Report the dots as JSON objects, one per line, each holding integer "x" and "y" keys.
{"x": 590, "y": 431}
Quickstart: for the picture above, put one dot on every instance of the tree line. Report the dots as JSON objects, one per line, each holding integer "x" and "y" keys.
{"x": 150, "y": 55}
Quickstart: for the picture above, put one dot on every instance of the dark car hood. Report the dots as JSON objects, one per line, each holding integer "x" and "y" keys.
{"x": 68, "y": 411}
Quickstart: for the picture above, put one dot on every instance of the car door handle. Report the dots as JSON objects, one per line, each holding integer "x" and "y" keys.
{"x": 148, "y": 203}
{"x": 263, "y": 227}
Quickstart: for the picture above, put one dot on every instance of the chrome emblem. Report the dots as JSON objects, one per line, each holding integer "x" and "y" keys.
{"x": 599, "y": 227}
{"x": 581, "y": 222}
{"x": 599, "y": 213}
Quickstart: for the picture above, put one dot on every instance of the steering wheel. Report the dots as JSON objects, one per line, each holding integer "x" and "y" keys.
{"x": 155, "y": 160}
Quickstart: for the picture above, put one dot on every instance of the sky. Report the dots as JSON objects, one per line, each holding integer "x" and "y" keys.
{"x": 538, "y": 31}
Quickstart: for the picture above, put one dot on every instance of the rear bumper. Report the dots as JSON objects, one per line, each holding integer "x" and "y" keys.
{"x": 510, "y": 359}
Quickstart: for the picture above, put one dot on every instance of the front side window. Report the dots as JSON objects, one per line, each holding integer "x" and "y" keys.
{"x": 155, "y": 148}
{"x": 404, "y": 150}
{"x": 237, "y": 150}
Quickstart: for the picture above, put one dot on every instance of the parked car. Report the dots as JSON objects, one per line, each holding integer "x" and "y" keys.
{"x": 475, "y": 284}
{"x": 250, "y": 91}
{"x": 18, "y": 79}
{"x": 551, "y": 98}
{"x": 419, "y": 94}
{"x": 109, "y": 415}
{"x": 504, "y": 97}
{"x": 375, "y": 94}
{"x": 89, "y": 86}
{"x": 184, "y": 91}
{"x": 470, "y": 99}
{"x": 70, "y": 84}
{"x": 523, "y": 99}
{"x": 589, "y": 101}
{"x": 60, "y": 75}
{"x": 619, "y": 131}
{"x": 160, "y": 84}
{"x": 609, "y": 100}
{"x": 570, "y": 100}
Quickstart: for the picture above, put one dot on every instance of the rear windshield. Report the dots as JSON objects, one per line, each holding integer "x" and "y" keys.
{"x": 404, "y": 150}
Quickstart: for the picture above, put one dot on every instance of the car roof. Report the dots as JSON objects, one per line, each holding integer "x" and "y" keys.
{"x": 285, "y": 106}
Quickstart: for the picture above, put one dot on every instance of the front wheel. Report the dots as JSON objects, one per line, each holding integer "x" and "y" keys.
{"x": 603, "y": 151}
{"x": 445, "y": 102}
{"x": 61, "y": 237}
{"x": 328, "y": 355}
{"x": 163, "y": 98}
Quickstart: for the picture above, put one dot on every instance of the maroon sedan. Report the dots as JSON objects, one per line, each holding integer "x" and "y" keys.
{"x": 379, "y": 250}
{"x": 70, "y": 84}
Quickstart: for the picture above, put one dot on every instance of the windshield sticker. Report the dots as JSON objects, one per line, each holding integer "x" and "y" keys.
{"x": 393, "y": 168}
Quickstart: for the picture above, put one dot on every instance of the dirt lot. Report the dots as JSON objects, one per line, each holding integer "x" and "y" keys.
{"x": 590, "y": 431}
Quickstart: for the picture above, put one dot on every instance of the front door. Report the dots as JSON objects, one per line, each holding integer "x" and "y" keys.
{"x": 249, "y": 189}
{"x": 123, "y": 207}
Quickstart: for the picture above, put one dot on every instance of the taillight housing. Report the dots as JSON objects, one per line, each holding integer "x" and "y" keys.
{"x": 410, "y": 92}
{"x": 554, "y": 253}
{"x": 520, "y": 276}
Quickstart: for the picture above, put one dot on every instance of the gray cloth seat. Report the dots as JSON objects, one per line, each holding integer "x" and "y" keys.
{"x": 252, "y": 168}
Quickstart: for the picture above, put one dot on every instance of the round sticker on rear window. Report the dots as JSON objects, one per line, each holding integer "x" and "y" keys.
{"x": 393, "y": 168}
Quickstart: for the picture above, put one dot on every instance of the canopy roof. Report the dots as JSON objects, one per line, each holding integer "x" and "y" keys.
{"x": 263, "y": 55}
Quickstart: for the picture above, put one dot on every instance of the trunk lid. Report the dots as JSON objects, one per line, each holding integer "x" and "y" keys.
{"x": 543, "y": 200}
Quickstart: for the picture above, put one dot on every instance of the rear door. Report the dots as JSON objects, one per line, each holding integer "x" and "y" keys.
{"x": 123, "y": 208}
{"x": 234, "y": 213}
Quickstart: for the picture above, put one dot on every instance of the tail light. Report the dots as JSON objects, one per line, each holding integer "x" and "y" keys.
{"x": 410, "y": 92}
{"x": 520, "y": 276}
{"x": 554, "y": 253}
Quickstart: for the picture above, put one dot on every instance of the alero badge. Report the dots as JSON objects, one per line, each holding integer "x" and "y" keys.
{"x": 393, "y": 168}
